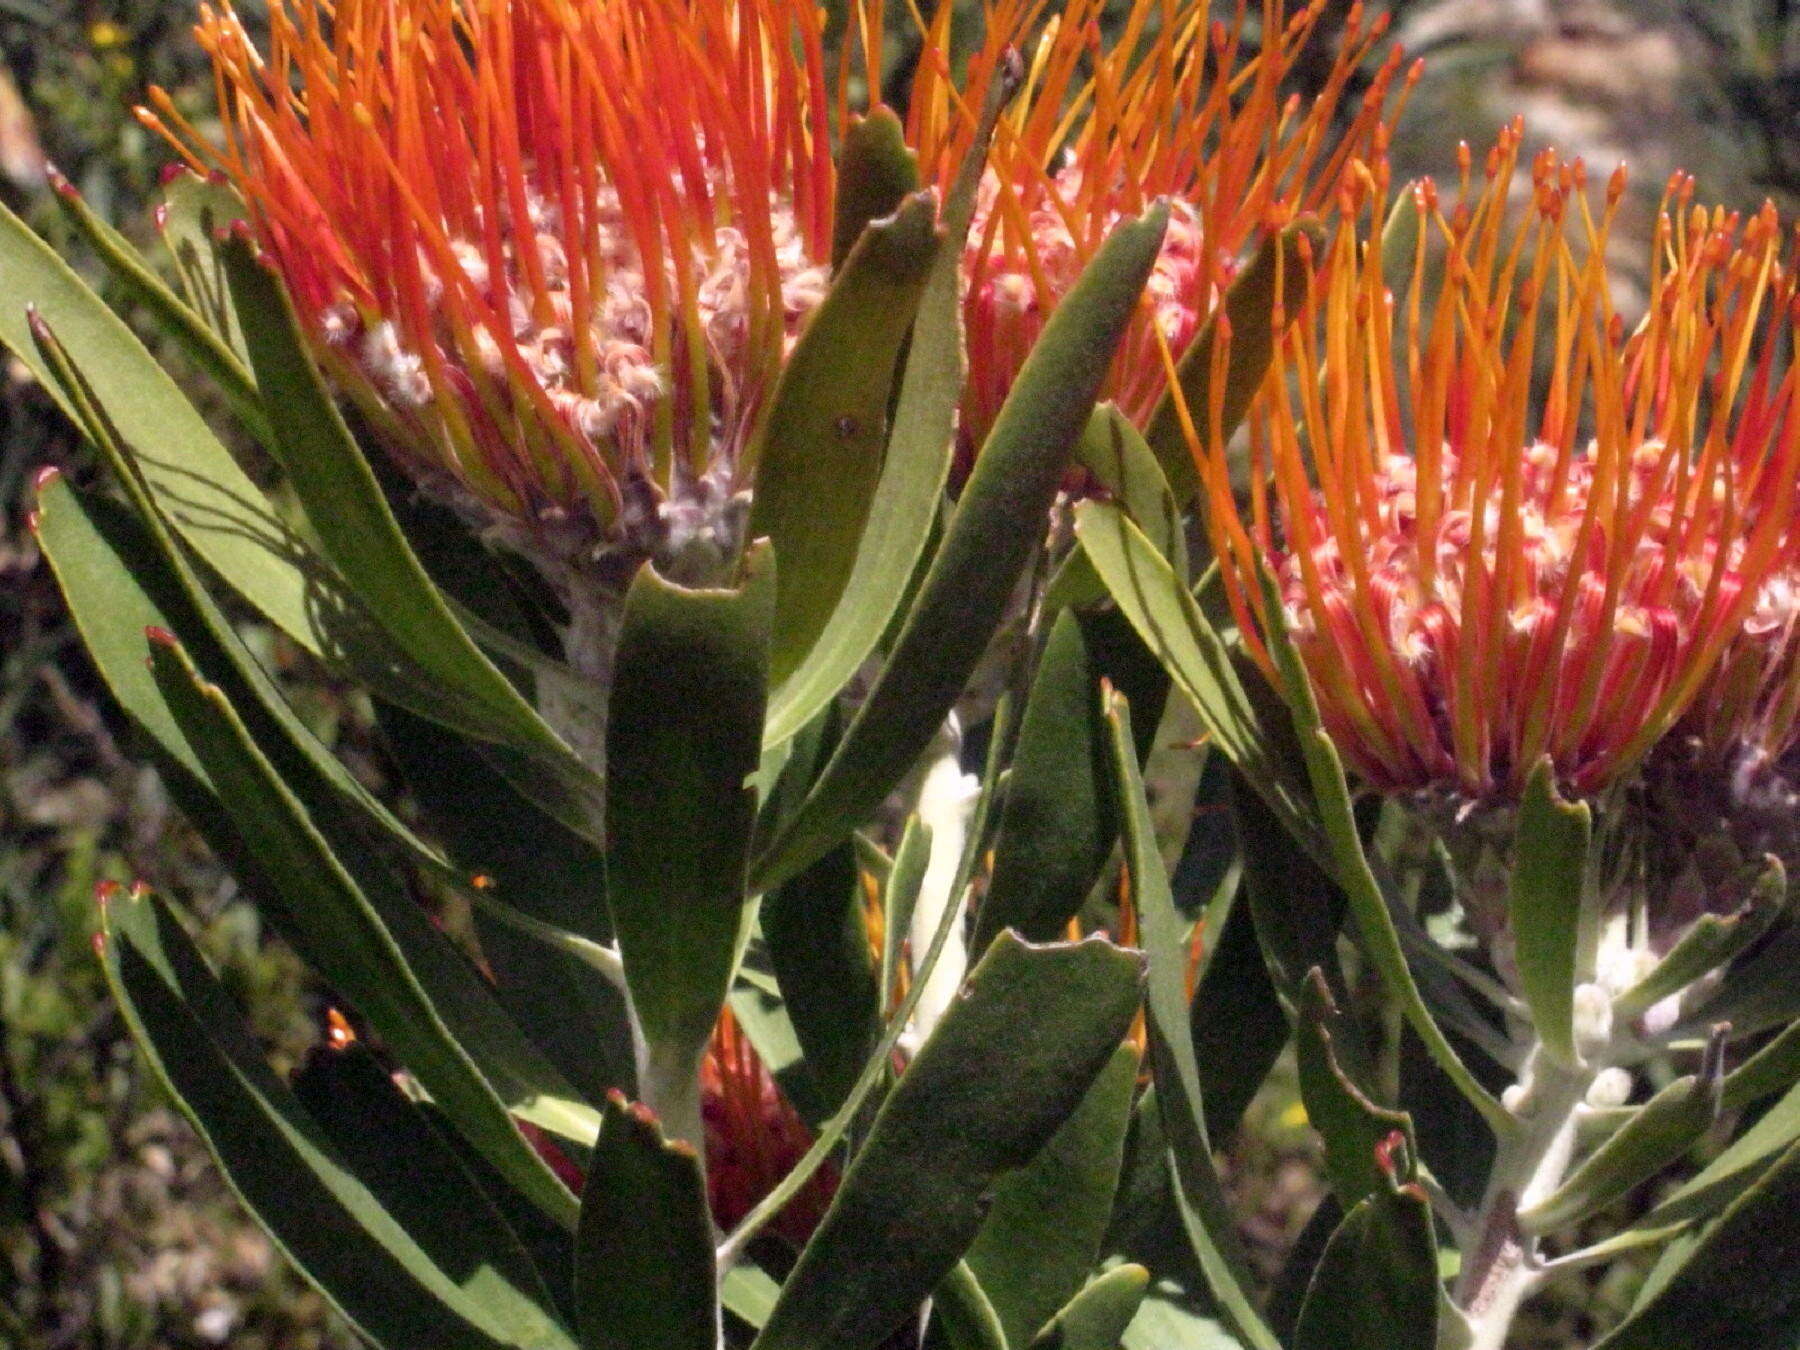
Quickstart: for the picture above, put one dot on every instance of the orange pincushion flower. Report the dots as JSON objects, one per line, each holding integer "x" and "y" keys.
{"x": 1172, "y": 107}
{"x": 1476, "y": 579}
{"x": 554, "y": 250}
{"x": 754, "y": 1138}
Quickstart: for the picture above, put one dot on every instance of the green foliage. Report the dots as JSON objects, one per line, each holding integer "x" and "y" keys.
{"x": 529, "y": 917}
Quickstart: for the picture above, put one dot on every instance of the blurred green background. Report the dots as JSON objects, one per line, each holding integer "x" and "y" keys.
{"x": 114, "y": 1231}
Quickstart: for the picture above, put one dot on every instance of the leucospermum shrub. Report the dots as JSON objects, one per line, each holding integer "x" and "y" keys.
{"x": 663, "y": 444}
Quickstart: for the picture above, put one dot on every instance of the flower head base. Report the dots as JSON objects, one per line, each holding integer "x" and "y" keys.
{"x": 555, "y": 251}
{"x": 1476, "y": 579}
{"x": 1172, "y": 108}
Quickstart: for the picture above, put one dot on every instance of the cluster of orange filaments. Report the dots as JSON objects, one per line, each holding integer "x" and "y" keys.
{"x": 1476, "y": 579}
{"x": 753, "y": 1138}
{"x": 554, "y": 250}
{"x": 1171, "y": 107}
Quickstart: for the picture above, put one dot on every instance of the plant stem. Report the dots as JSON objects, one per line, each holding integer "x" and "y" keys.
{"x": 1500, "y": 1267}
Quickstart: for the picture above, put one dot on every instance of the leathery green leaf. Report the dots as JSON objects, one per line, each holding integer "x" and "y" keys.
{"x": 1358, "y": 1132}
{"x": 1198, "y": 1194}
{"x": 1730, "y": 1282}
{"x": 644, "y": 1275}
{"x": 819, "y": 944}
{"x": 1009, "y": 1062}
{"x": 1249, "y": 312}
{"x": 396, "y": 1288}
{"x": 359, "y": 536}
{"x": 1544, "y": 900}
{"x": 408, "y": 1161}
{"x": 964, "y": 1312}
{"x": 683, "y": 737}
{"x": 210, "y": 500}
{"x": 1376, "y": 1287}
{"x": 202, "y": 342}
{"x": 195, "y": 212}
{"x": 998, "y": 525}
{"x": 534, "y": 872}
{"x": 1197, "y": 658}
{"x": 122, "y": 575}
{"x": 911, "y": 487}
{"x": 1059, "y": 820}
{"x": 1659, "y": 1132}
{"x": 818, "y": 450}
{"x": 876, "y": 172}
{"x": 1042, "y": 1237}
{"x": 1096, "y": 1318}
{"x": 343, "y": 935}
{"x": 1368, "y": 906}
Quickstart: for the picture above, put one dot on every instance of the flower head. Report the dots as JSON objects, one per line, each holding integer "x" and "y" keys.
{"x": 555, "y": 251}
{"x": 1171, "y": 107}
{"x": 754, "y": 1138}
{"x": 1477, "y": 577}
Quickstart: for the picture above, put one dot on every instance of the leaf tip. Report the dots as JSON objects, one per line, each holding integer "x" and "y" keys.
{"x": 161, "y": 637}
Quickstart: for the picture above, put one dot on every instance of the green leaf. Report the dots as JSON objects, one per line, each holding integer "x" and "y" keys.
{"x": 1660, "y": 1131}
{"x": 1368, "y": 906}
{"x": 998, "y": 525}
{"x": 1747, "y": 1158}
{"x": 818, "y": 450}
{"x": 682, "y": 739}
{"x": 1006, "y": 1066}
{"x": 899, "y": 897}
{"x": 122, "y": 575}
{"x": 876, "y": 172}
{"x": 196, "y": 213}
{"x": 964, "y": 1314}
{"x": 395, "y": 1289}
{"x": 1042, "y": 1237}
{"x": 395, "y": 1149}
{"x": 1060, "y": 817}
{"x": 644, "y": 1275}
{"x": 1096, "y": 1318}
{"x": 1376, "y": 1287}
{"x": 1237, "y": 1023}
{"x": 1298, "y": 913}
{"x": 1249, "y": 310}
{"x": 1710, "y": 942}
{"x": 350, "y": 936}
{"x": 222, "y": 515}
{"x": 819, "y": 943}
{"x": 1733, "y": 1282}
{"x": 1544, "y": 901}
{"x": 359, "y": 536}
{"x": 534, "y": 869}
{"x": 1199, "y": 1197}
{"x": 1113, "y": 450}
{"x": 905, "y": 507}
{"x": 1197, "y": 659}
{"x": 1358, "y": 1132}
{"x": 204, "y": 345}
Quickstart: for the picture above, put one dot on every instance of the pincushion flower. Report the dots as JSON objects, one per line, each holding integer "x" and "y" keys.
{"x": 754, "y": 1138}
{"x": 555, "y": 253}
{"x": 1174, "y": 107}
{"x": 1477, "y": 578}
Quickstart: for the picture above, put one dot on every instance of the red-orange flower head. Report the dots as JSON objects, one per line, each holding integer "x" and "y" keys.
{"x": 1477, "y": 576}
{"x": 754, "y": 1138}
{"x": 555, "y": 250}
{"x": 1171, "y": 106}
